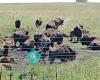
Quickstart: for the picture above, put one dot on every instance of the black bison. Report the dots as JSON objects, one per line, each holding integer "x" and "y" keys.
{"x": 78, "y": 33}
{"x": 17, "y": 23}
{"x": 20, "y": 36}
{"x": 62, "y": 52}
{"x": 55, "y": 23}
{"x": 38, "y": 22}
{"x": 55, "y": 36}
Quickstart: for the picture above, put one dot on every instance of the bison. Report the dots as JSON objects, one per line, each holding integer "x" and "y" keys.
{"x": 5, "y": 66}
{"x": 62, "y": 52}
{"x": 38, "y": 22}
{"x": 42, "y": 42}
{"x": 55, "y": 36}
{"x": 58, "y": 21}
{"x": 6, "y": 59}
{"x": 95, "y": 44}
{"x": 27, "y": 45}
{"x": 78, "y": 32}
{"x": 17, "y": 23}
{"x": 86, "y": 40}
{"x": 20, "y": 36}
{"x": 54, "y": 24}
{"x": 7, "y": 44}
{"x": 91, "y": 42}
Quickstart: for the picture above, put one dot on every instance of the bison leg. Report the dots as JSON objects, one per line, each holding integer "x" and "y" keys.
{"x": 78, "y": 39}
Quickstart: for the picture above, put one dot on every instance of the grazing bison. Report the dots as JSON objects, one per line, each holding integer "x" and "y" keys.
{"x": 20, "y": 36}
{"x": 17, "y": 23}
{"x": 38, "y": 22}
{"x": 62, "y": 52}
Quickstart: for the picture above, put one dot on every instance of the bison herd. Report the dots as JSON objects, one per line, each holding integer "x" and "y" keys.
{"x": 50, "y": 42}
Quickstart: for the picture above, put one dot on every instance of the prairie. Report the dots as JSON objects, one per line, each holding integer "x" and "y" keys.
{"x": 85, "y": 67}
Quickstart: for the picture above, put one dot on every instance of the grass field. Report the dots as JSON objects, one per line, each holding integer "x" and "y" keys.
{"x": 87, "y": 65}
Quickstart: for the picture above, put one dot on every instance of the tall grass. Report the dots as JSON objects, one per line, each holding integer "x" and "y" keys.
{"x": 84, "y": 69}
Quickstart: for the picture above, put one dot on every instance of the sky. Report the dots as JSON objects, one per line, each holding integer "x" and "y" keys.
{"x": 31, "y": 1}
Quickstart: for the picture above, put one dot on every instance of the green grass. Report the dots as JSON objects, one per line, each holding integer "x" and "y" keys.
{"x": 85, "y": 69}
{"x": 87, "y": 14}
{"x": 72, "y": 13}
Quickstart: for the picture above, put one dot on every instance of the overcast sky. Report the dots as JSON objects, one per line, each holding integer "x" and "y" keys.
{"x": 29, "y": 1}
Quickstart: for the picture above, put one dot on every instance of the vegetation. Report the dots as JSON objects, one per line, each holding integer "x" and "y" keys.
{"x": 87, "y": 14}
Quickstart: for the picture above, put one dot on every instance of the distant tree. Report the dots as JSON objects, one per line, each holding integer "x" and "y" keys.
{"x": 81, "y": 0}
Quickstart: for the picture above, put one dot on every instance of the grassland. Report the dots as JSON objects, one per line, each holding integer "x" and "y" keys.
{"x": 87, "y": 14}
